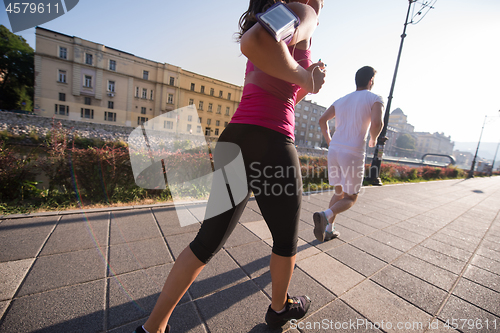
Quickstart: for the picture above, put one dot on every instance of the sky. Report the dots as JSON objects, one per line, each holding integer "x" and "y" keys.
{"x": 448, "y": 78}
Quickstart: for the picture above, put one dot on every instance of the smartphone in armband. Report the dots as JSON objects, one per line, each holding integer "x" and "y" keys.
{"x": 279, "y": 21}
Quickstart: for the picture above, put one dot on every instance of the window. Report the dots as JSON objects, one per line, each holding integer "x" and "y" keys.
{"x": 63, "y": 110}
{"x": 299, "y": 106}
{"x": 192, "y": 86}
{"x": 227, "y": 110}
{"x": 111, "y": 105}
{"x": 191, "y": 101}
{"x": 88, "y": 58}
{"x": 198, "y": 129}
{"x": 87, "y": 113}
{"x": 229, "y": 96}
{"x": 216, "y": 131}
{"x": 318, "y": 136}
{"x": 220, "y": 93}
{"x": 151, "y": 94}
{"x": 110, "y": 116}
{"x": 62, "y": 97}
{"x": 217, "y": 123}
{"x": 111, "y": 86}
{"x": 313, "y": 118}
{"x": 189, "y": 128}
{"x": 210, "y": 105}
{"x": 171, "y": 115}
{"x": 219, "y": 109}
{"x": 63, "y": 53}
{"x": 141, "y": 120}
{"x": 225, "y": 123}
{"x": 88, "y": 101}
{"x": 306, "y": 108}
{"x": 207, "y": 131}
{"x": 305, "y": 116}
{"x": 145, "y": 75}
{"x": 302, "y": 133}
{"x": 88, "y": 81}
{"x": 297, "y": 114}
{"x": 304, "y": 125}
{"x": 211, "y": 91}
{"x": 190, "y": 118}
{"x": 143, "y": 110}
{"x": 200, "y": 105}
{"x": 315, "y": 111}
{"x": 170, "y": 99}
{"x": 136, "y": 91}
{"x": 144, "y": 93}
{"x": 202, "y": 89}
{"x": 311, "y": 127}
{"x": 62, "y": 76}
{"x": 167, "y": 124}
{"x": 310, "y": 135}
{"x": 172, "y": 81}
{"x": 112, "y": 65}
{"x": 199, "y": 120}
{"x": 209, "y": 121}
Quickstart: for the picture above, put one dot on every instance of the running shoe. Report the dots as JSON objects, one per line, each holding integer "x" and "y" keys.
{"x": 295, "y": 308}
{"x": 320, "y": 223}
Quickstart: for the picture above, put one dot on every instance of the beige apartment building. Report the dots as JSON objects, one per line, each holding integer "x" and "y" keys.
{"x": 77, "y": 79}
{"x": 307, "y": 130}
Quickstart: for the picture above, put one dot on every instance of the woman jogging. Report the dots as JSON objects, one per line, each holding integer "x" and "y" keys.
{"x": 277, "y": 77}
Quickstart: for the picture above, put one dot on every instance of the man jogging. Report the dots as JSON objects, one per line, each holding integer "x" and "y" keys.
{"x": 355, "y": 114}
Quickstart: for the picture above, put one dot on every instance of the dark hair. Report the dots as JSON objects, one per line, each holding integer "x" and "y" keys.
{"x": 248, "y": 19}
{"x": 364, "y": 75}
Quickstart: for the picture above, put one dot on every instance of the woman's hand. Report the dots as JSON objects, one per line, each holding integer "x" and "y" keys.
{"x": 317, "y": 73}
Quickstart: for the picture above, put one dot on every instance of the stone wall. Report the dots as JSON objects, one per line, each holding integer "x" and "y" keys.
{"x": 24, "y": 124}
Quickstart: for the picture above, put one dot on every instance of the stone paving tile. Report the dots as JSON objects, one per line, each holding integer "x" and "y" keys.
{"x": 488, "y": 264}
{"x": 132, "y": 226}
{"x": 356, "y": 226}
{"x": 178, "y": 243}
{"x": 460, "y": 240}
{"x": 169, "y": 222}
{"x": 428, "y": 297}
{"x": 406, "y": 234}
{"x": 253, "y": 258}
{"x": 491, "y": 246}
{"x": 221, "y": 272}
{"x": 58, "y": 310}
{"x": 414, "y": 227}
{"x": 438, "y": 259}
{"x": 447, "y": 249}
{"x": 305, "y": 250}
{"x": 258, "y": 228}
{"x": 483, "y": 277}
{"x": 331, "y": 273}
{"x": 240, "y": 236}
{"x": 132, "y": 296}
{"x": 428, "y": 272}
{"x": 376, "y": 249}
{"x": 427, "y": 222}
{"x": 23, "y": 239}
{"x": 138, "y": 255}
{"x": 240, "y": 308}
{"x": 336, "y": 316}
{"x": 482, "y": 297}
{"x": 385, "y": 218}
{"x": 392, "y": 240}
{"x": 12, "y": 273}
{"x": 250, "y": 215}
{"x": 467, "y": 317}
{"x": 378, "y": 304}
{"x": 62, "y": 270}
{"x": 486, "y": 252}
{"x": 3, "y": 307}
{"x": 370, "y": 221}
{"x": 78, "y": 232}
{"x": 356, "y": 259}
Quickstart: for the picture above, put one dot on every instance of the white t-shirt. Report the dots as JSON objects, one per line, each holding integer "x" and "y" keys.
{"x": 353, "y": 118}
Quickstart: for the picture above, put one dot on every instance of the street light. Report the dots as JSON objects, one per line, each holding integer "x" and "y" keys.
{"x": 471, "y": 171}
{"x": 374, "y": 173}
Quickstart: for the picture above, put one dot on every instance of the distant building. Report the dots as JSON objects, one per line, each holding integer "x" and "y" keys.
{"x": 436, "y": 143}
{"x": 81, "y": 80}
{"x": 464, "y": 159}
{"x": 307, "y": 130}
{"x": 399, "y": 121}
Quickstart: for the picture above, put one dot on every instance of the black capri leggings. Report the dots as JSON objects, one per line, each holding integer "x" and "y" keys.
{"x": 273, "y": 175}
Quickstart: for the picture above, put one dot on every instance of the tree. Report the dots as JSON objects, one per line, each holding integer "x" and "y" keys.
{"x": 16, "y": 72}
{"x": 406, "y": 141}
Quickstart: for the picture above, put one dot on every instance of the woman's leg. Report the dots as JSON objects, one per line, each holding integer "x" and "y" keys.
{"x": 185, "y": 270}
{"x": 281, "y": 273}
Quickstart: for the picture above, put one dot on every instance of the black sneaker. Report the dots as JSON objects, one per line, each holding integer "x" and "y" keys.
{"x": 141, "y": 330}
{"x": 295, "y": 308}
{"x": 320, "y": 223}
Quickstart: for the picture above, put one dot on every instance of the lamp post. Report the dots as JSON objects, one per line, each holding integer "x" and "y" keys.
{"x": 471, "y": 171}
{"x": 494, "y": 158}
{"x": 374, "y": 173}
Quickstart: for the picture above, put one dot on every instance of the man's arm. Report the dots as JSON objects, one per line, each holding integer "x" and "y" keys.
{"x": 377, "y": 123}
{"x": 323, "y": 123}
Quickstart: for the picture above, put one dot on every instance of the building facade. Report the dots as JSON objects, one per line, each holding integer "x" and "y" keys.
{"x": 307, "y": 130}
{"x": 81, "y": 80}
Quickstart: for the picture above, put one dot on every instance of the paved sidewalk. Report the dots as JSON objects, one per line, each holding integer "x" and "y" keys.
{"x": 407, "y": 255}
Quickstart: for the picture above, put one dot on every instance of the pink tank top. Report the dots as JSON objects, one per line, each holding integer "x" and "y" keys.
{"x": 270, "y": 102}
